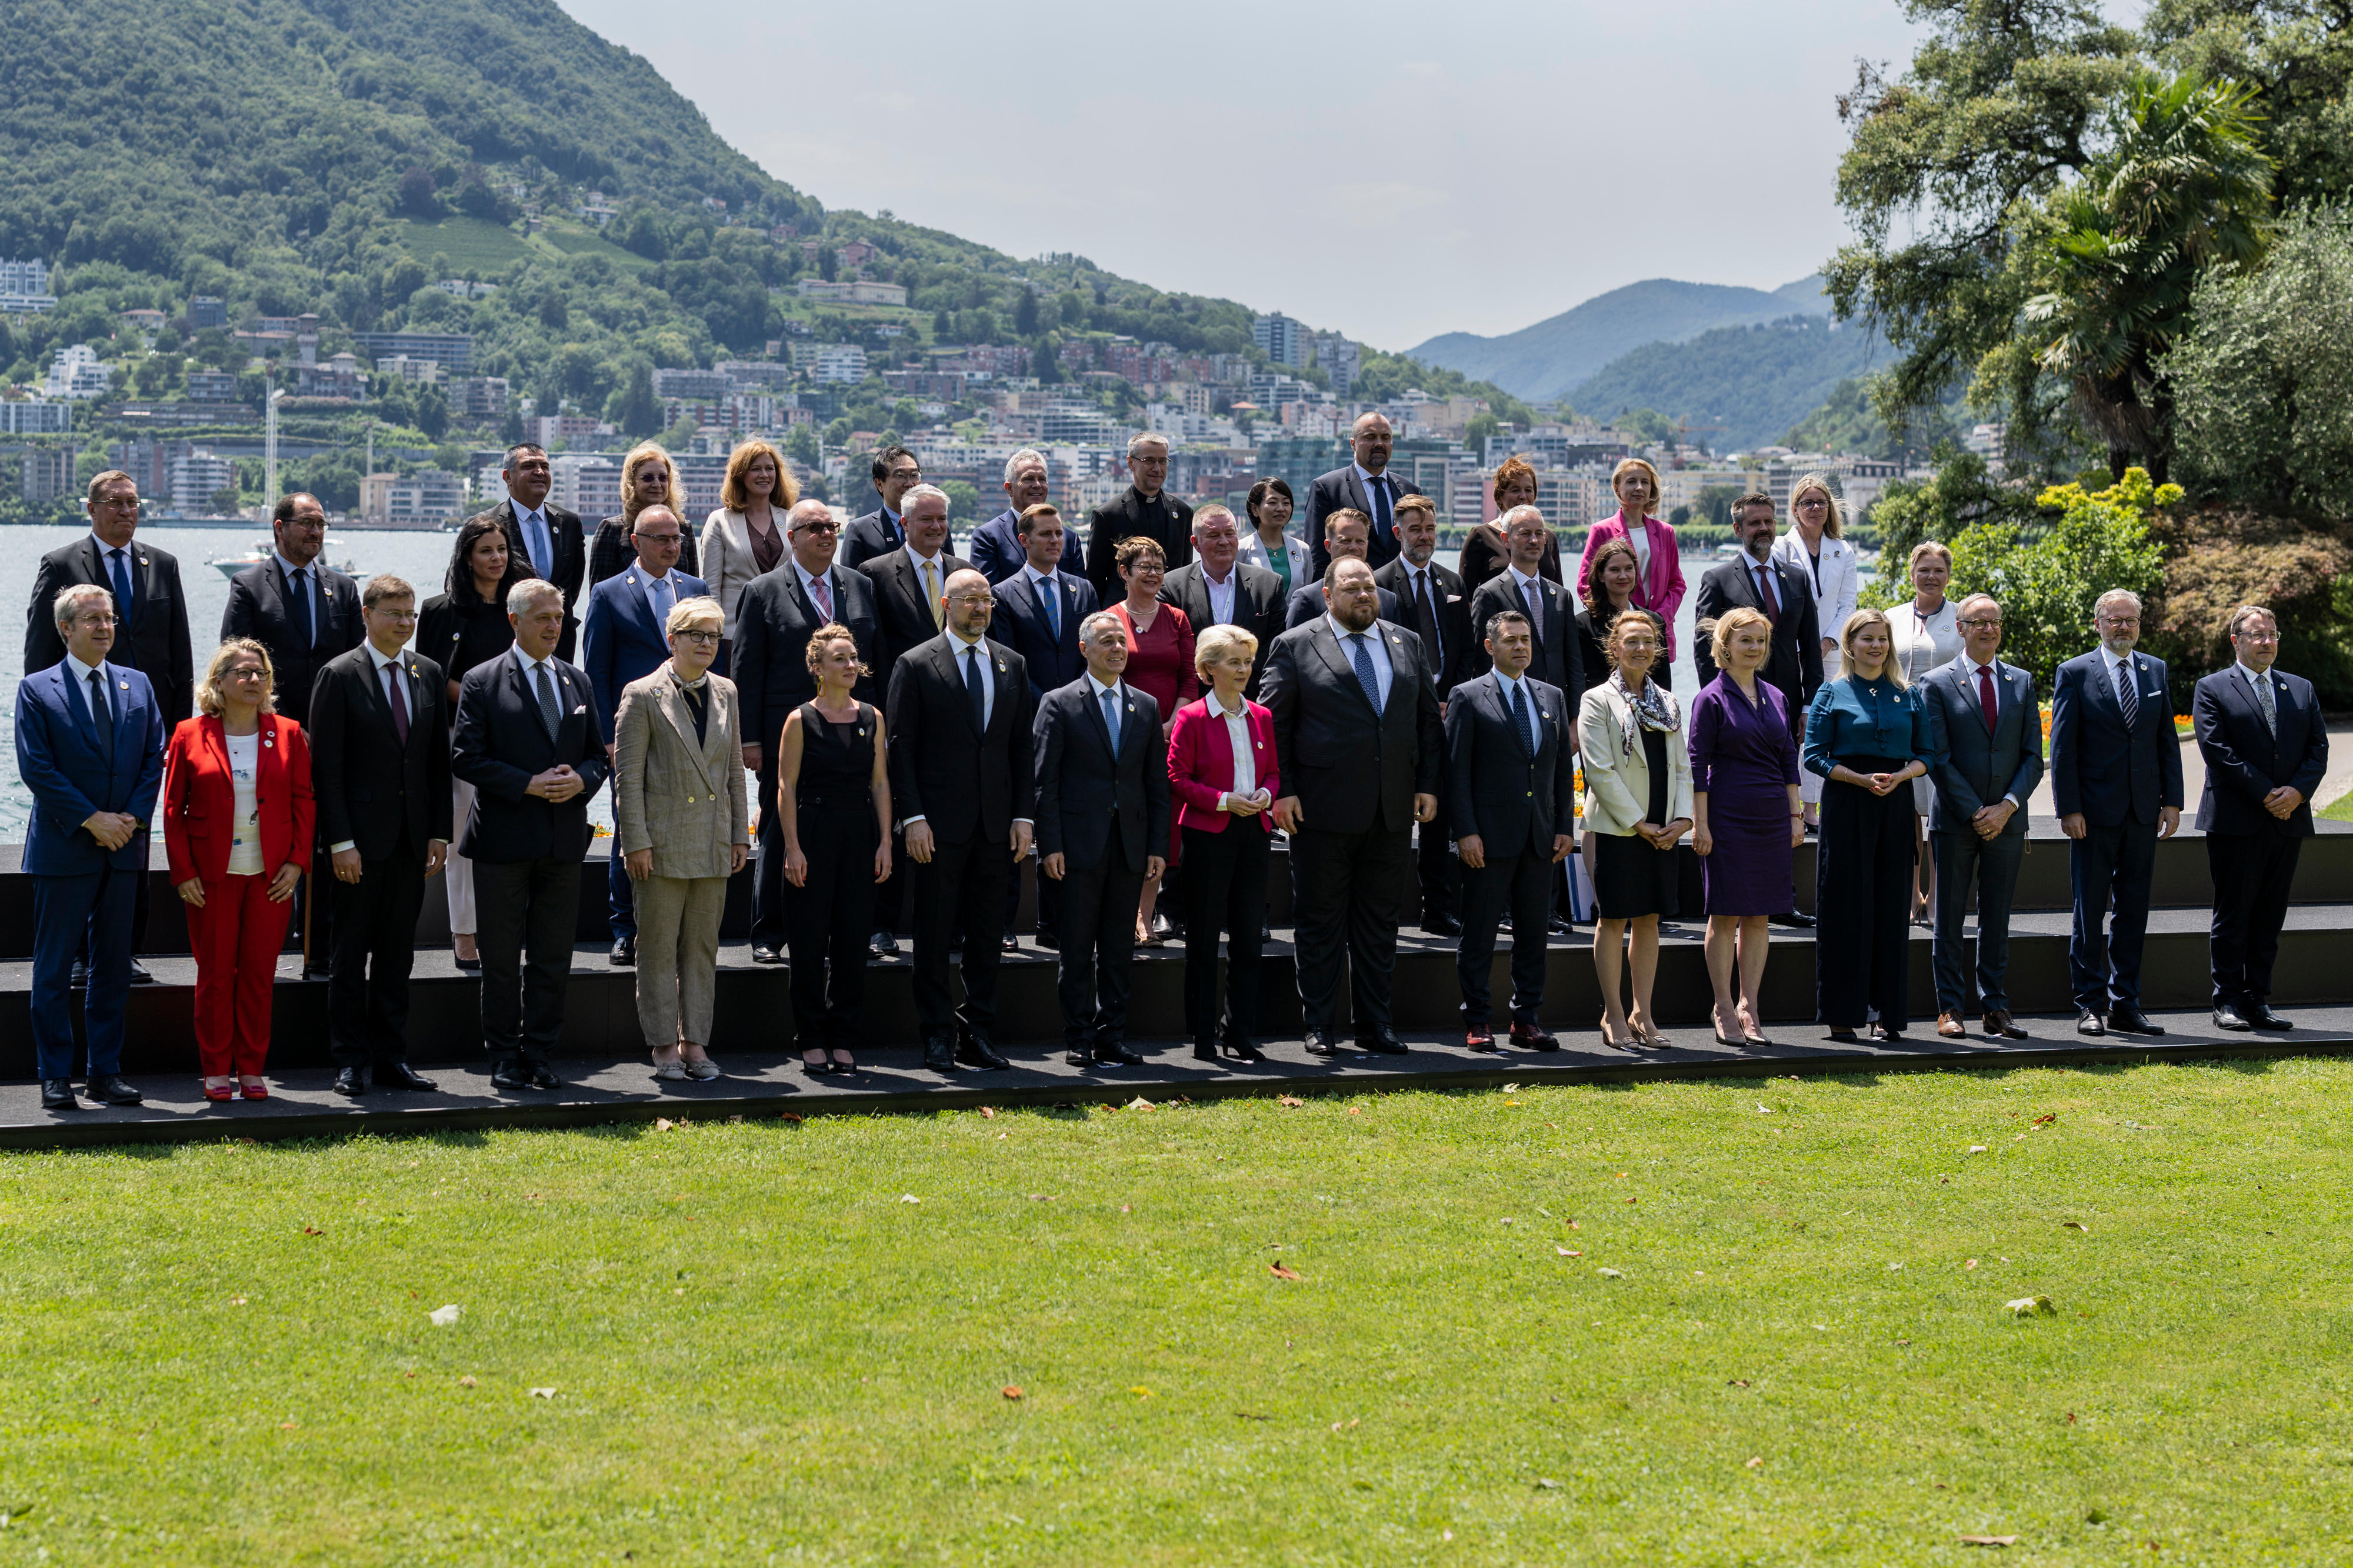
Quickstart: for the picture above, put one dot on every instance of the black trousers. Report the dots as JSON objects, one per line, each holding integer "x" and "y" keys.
{"x": 2110, "y": 865}
{"x": 1437, "y": 872}
{"x": 1225, "y": 886}
{"x": 1049, "y": 899}
{"x": 1862, "y": 901}
{"x": 1098, "y": 951}
{"x": 2251, "y": 877}
{"x": 525, "y": 907}
{"x": 1349, "y": 889}
{"x": 375, "y": 942}
{"x": 1522, "y": 883}
{"x": 769, "y": 908}
{"x": 960, "y": 890}
{"x": 828, "y": 920}
{"x": 620, "y": 892}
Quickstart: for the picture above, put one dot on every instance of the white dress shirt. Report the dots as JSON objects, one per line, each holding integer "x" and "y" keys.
{"x": 1047, "y": 585}
{"x": 661, "y": 596}
{"x": 2121, "y": 675}
{"x": 1118, "y": 723}
{"x": 1532, "y": 598}
{"x": 1384, "y": 677}
{"x": 1638, "y": 534}
{"x": 1970, "y": 675}
{"x": 1414, "y": 578}
{"x": 957, "y": 644}
{"x": 1221, "y": 597}
{"x": 808, "y": 577}
{"x": 1509, "y": 685}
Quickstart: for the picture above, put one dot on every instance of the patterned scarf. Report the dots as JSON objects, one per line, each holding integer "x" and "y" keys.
{"x": 1655, "y": 709}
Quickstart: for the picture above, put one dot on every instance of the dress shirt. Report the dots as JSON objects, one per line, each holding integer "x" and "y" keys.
{"x": 1237, "y": 737}
{"x": 1770, "y": 589}
{"x": 1531, "y": 606}
{"x": 82, "y": 672}
{"x": 1995, "y": 671}
{"x": 130, "y": 570}
{"x": 957, "y": 644}
{"x": 939, "y": 571}
{"x": 656, "y": 588}
{"x": 538, "y": 541}
{"x": 1045, "y": 585}
{"x": 530, "y": 667}
{"x": 2121, "y": 676}
{"x": 1513, "y": 686}
{"x": 2258, "y": 687}
{"x": 1638, "y": 535}
{"x": 1415, "y": 576}
{"x": 388, "y": 670}
{"x": 303, "y": 580}
{"x": 1384, "y": 676}
{"x": 1378, "y": 487}
{"x": 1119, "y": 727}
{"x": 1221, "y": 597}
{"x": 808, "y": 578}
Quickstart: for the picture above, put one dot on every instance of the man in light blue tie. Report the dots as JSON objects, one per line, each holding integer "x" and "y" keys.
{"x": 1366, "y": 485}
{"x": 549, "y": 535}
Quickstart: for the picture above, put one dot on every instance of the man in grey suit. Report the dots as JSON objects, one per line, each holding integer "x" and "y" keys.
{"x": 1989, "y": 738}
{"x": 1359, "y": 746}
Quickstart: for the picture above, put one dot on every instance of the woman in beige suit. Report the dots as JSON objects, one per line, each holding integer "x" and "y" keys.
{"x": 679, "y": 806}
{"x": 1638, "y": 799}
{"x": 745, "y": 536}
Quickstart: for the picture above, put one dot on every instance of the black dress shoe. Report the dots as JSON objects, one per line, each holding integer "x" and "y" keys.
{"x": 57, "y": 1094}
{"x": 139, "y": 975}
{"x": 1791, "y": 921}
{"x": 1115, "y": 1051}
{"x": 510, "y": 1076}
{"x": 108, "y": 1088}
{"x": 2131, "y": 1021}
{"x": 1886, "y": 1036}
{"x": 400, "y": 1075}
{"x": 543, "y": 1077}
{"x": 2090, "y": 1023}
{"x": 1320, "y": 1043}
{"x": 352, "y": 1081}
{"x": 1559, "y": 926}
{"x": 1383, "y": 1041}
{"x": 624, "y": 953}
{"x": 974, "y": 1050}
{"x": 1534, "y": 1037}
{"x": 1080, "y": 1058}
{"x": 1205, "y": 1050}
{"x": 882, "y": 944}
{"x": 2228, "y": 1017}
{"x": 315, "y": 971}
{"x": 1438, "y": 922}
{"x": 1008, "y": 942}
{"x": 939, "y": 1053}
{"x": 80, "y": 975}
{"x": 2260, "y": 1014}
{"x": 763, "y": 953}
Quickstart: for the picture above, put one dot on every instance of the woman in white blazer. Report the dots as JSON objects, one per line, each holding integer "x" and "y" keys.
{"x": 1267, "y": 543}
{"x": 745, "y": 536}
{"x": 1815, "y": 553}
{"x": 1638, "y": 798}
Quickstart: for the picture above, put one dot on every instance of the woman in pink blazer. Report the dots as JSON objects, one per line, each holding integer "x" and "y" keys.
{"x": 1221, "y": 773}
{"x": 1660, "y": 591}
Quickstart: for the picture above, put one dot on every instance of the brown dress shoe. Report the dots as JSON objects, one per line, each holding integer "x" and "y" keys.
{"x": 1950, "y": 1025}
{"x": 1997, "y": 1026}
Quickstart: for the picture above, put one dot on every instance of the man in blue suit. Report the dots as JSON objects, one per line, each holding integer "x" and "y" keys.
{"x": 1988, "y": 737}
{"x": 2266, "y": 749}
{"x": 996, "y": 550}
{"x": 622, "y": 639}
{"x": 1038, "y": 611}
{"x": 2116, "y": 781}
{"x": 90, "y": 745}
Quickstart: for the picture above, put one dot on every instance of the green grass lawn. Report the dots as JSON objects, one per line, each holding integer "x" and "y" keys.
{"x": 2342, "y": 811}
{"x": 475, "y": 247}
{"x": 1748, "y": 1322}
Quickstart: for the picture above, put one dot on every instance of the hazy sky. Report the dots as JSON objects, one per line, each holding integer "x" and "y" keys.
{"x": 1387, "y": 170}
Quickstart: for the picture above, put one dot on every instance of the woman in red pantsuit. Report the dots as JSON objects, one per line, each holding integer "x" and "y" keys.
{"x": 236, "y": 830}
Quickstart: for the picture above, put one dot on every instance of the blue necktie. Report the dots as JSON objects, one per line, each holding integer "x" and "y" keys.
{"x": 298, "y": 588}
{"x": 664, "y": 591}
{"x": 977, "y": 684}
{"x": 1050, "y": 593}
{"x": 1520, "y": 716}
{"x": 2127, "y": 698}
{"x": 1365, "y": 676}
{"x": 121, "y": 586}
{"x": 542, "y": 548}
{"x": 1111, "y": 718}
{"x": 102, "y": 719}
{"x": 1385, "y": 521}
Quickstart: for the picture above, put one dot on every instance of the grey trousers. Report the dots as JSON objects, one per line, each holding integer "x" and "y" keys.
{"x": 1965, "y": 864}
{"x": 678, "y": 957}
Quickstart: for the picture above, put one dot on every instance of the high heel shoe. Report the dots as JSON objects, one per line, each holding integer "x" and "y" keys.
{"x": 254, "y": 1091}
{"x": 1716, "y": 1025}
{"x": 817, "y": 1068}
{"x": 842, "y": 1063}
{"x": 1244, "y": 1051}
{"x": 1204, "y": 1051}
{"x": 220, "y": 1093}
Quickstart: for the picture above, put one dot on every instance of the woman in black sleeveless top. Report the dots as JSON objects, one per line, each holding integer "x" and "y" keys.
{"x": 833, "y": 807}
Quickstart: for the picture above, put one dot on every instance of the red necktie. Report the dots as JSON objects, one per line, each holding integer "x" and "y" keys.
{"x": 1765, "y": 591}
{"x": 1986, "y": 697}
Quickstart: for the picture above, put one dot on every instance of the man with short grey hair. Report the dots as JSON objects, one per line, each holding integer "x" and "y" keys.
{"x": 995, "y": 547}
{"x": 1146, "y": 512}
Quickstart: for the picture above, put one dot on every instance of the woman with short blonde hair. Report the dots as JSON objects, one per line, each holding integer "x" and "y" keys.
{"x": 649, "y": 477}
{"x": 1660, "y": 587}
{"x": 1210, "y": 646}
{"x": 745, "y": 535}
{"x": 1746, "y": 823}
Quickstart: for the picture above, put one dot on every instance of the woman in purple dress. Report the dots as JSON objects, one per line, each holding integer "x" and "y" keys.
{"x": 1746, "y": 816}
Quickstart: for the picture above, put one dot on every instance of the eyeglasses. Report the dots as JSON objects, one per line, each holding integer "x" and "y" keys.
{"x": 1981, "y": 626}
{"x": 398, "y": 618}
{"x": 661, "y": 537}
{"x": 1812, "y": 503}
{"x": 700, "y": 640}
{"x": 2255, "y": 636}
{"x": 97, "y": 623}
{"x": 827, "y": 527}
{"x": 975, "y": 601}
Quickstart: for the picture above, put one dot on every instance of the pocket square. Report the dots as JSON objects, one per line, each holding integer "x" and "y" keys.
{"x": 582, "y": 709}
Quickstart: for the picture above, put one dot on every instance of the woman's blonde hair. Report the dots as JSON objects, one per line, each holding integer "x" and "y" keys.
{"x": 735, "y": 495}
{"x": 1636, "y": 465}
{"x": 630, "y": 504}
{"x": 1836, "y": 526}
{"x": 1213, "y": 643}
{"x": 1924, "y": 548}
{"x": 208, "y": 690}
{"x": 825, "y": 637}
{"x": 1855, "y": 624}
{"x": 1731, "y": 624}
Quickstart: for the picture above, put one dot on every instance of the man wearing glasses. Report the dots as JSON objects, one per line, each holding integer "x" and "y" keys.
{"x": 774, "y": 617}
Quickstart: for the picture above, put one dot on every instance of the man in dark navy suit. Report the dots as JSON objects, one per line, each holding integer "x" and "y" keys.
{"x": 1102, "y": 825}
{"x": 89, "y": 747}
{"x": 1556, "y": 659}
{"x": 1217, "y": 588}
{"x": 1366, "y": 485}
{"x": 883, "y": 530}
{"x": 1344, "y": 535}
{"x": 774, "y": 617}
{"x": 996, "y": 548}
{"x": 2266, "y": 749}
{"x": 2116, "y": 783}
{"x": 528, "y": 739}
{"x": 548, "y": 539}
{"x": 1433, "y": 600}
{"x": 1038, "y": 611}
{"x": 1511, "y": 786}
{"x": 623, "y": 637}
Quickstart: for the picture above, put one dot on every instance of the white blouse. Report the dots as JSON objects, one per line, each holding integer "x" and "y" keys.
{"x": 1925, "y": 642}
{"x": 1238, "y": 735}
{"x": 245, "y": 843}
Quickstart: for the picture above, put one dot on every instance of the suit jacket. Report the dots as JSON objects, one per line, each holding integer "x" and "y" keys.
{"x": 619, "y": 641}
{"x": 499, "y": 742}
{"x": 1347, "y": 763}
{"x": 1340, "y": 490}
{"x": 1795, "y": 665}
{"x": 1170, "y": 522}
{"x": 1618, "y": 777}
{"x": 875, "y": 534}
{"x": 1662, "y": 588}
{"x": 1559, "y": 660}
{"x": 2245, "y": 761}
{"x": 727, "y": 562}
{"x": 2100, "y": 769}
{"x": 681, "y": 797}
{"x": 200, "y": 798}
{"x": 1308, "y": 605}
{"x": 960, "y": 781}
{"x": 1452, "y": 599}
{"x": 259, "y": 608}
{"x": 1485, "y": 554}
{"x": 569, "y": 543}
{"x": 901, "y": 608}
{"x": 1201, "y": 765}
{"x": 60, "y": 762}
{"x": 1086, "y": 791}
{"x": 1515, "y": 801}
{"x": 370, "y": 787}
{"x": 1020, "y": 624}
{"x": 611, "y": 553}
{"x": 1259, "y": 607}
{"x": 996, "y": 550}
{"x": 1976, "y": 767}
{"x": 774, "y": 620}
{"x": 153, "y": 640}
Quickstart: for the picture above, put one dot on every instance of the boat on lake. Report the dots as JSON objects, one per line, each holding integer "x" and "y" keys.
{"x": 230, "y": 565}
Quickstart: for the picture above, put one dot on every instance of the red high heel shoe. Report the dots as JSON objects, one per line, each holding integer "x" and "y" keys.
{"x": 254, "y": 1091}
{"x": 224, "y": 1093}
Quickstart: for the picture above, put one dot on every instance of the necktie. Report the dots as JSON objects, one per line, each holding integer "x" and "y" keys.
{"x": 123, "y": 586}
{"x": 821, "y": 590}
{"x": 1050, "y": 593}
{"x": 550, "y": 713}
{"x": 1384, "y": 519}
{"x": 1427, "y": 610}
{"x": 665, "y": 595}
{"x": 399, "y": 702}
{"x": 1111, "y": 718}
{"x": 976, "y": 685}
{"x": 932, "y": 592}
{"x": 1520, "y": 716}
{"x": 1769, "y": 600}
{"x": 2268, "y": 703}
{"x": 299, "y": 586}
{"x": 542, "y": 545}
{"x": 1530, "y": 595}
{"x": 1986, "y": 697}
{"x": 2128, "y": 697}
{"x": 1365, "y": 676}
{"x": 101, "y": 716}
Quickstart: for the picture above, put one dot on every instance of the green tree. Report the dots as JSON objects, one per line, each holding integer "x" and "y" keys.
{"x": 2049, "y": 576}
{"x": 432, "y": 412}
{"x": 801, "y": 447}
{"x": 964, "y": 499}
{"x": 2298, "y": 57}
{"x": 1476, "y": 431}
{"x": 636, "y": 409}
{"x": 1962, "y": 494}
{"x": 1025, "y": 314}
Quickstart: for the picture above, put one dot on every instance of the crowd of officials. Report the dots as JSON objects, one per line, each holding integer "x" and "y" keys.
{"x": 1143, "y": 709}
